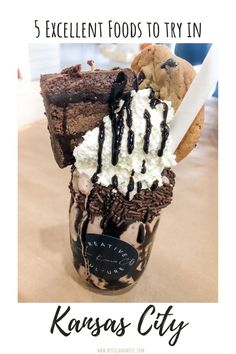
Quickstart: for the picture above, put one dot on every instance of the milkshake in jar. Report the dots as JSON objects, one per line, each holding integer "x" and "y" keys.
{"x": 120, "y": 182}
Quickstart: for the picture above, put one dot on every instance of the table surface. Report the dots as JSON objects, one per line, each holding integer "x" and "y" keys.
{"x": 183, "y": 263}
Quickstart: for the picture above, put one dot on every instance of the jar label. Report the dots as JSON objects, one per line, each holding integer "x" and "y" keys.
{"x": 109, "y": 257}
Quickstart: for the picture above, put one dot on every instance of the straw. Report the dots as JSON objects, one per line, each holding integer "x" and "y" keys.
{"x": 202, "y": 85}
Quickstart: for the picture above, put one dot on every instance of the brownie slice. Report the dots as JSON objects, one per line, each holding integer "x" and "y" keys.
{"x": 76, "y": 102}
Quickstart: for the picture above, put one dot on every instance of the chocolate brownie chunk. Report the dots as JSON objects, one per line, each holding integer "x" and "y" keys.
{"x": 76, "y": 102}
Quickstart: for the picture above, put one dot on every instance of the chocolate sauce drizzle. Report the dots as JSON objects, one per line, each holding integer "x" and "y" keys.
{"x": 130, "y": 186}
{"x": 164, "y": 127}
{"x": 135, "y": 83}
{"x": 129, "y": 121}
{"x": 154, "y": 185}
{"x": 64, "y": 120}
{"x": 147, "y": 116}
{"x": 143, "y": 169}
{"x": 139, "y": 186}
{"x": 130, "y": 142}
{"x": 117, "y": 123}
{"x": 141, "y": 234}
{"x": 117, "y": 120}
{"x": 153, "y": 102}
{"x": 152, "y": 93}
{"x": 101, "y": 137}
{"x": 117, "y": 90}
{"x": 114, "y": 181}
{"x": 117, "y": 133}
{"x": 141, "y": 77}
{"x": 164, "y": 130}
{"x": 146, "y": 216}
{"x": 84, "y": 227}
{"x": 64, "y": 141}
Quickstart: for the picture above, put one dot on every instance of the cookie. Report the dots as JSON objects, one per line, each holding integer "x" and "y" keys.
{"x": 170, "y": 77}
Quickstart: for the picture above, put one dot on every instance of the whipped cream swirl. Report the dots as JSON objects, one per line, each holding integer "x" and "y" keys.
{"x": 151, "y": 152}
